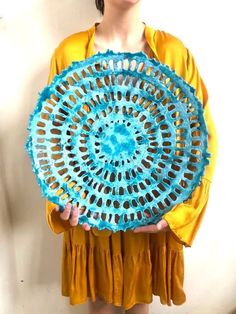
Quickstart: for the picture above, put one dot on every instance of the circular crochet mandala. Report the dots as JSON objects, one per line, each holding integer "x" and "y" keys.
{"x": 119, "y": 135}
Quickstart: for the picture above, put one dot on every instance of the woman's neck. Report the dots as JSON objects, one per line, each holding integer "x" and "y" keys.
{"x": 121, "y": 27}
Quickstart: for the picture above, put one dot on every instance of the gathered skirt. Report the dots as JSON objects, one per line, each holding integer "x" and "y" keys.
{"x": 122, "y": 268}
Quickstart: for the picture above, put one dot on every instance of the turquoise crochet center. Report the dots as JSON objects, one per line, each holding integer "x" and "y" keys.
{"x": 121, "y": 136}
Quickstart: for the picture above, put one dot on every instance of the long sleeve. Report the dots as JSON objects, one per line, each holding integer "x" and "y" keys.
{"x": 56, "y": 224}
{"x": 54, "y": 221}
{"x": 184, "y": 219}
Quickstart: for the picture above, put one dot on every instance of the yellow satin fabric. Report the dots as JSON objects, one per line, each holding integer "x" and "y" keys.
{"x": 126, "y": 268}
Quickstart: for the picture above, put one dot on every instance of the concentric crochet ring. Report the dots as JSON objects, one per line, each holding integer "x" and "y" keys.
{"x": 119, "y": 135}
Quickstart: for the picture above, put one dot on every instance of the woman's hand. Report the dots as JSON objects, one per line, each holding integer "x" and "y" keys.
{"x": 161, "y": 226}
{"x": 74, "y": 212}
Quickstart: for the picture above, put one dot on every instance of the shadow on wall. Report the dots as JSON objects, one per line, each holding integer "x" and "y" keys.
{"x": 21, "y": 194}
{"x": 62, "y": 19}
{"x": 232, "y": 312}
{"x": 8, "y": 258}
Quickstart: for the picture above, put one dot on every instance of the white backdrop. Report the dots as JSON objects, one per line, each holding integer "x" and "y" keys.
{"x": 30, "y": 255}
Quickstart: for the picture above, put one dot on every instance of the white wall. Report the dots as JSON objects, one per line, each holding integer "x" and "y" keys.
{"x": 30, "y": 255}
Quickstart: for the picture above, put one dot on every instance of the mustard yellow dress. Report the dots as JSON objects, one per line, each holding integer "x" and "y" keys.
{"x": 125, "y": 268}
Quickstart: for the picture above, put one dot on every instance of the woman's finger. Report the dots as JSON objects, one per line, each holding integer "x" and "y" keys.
{"x": 74, "y": 217}
{"x": 86, "y": 227}
{"x": 65, "y": 215}
{"x": 161, "y": 226}
{"x": 149, "y": 229}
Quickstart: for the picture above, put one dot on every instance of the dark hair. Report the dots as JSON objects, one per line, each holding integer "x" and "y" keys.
{"x": 100, "y": 5}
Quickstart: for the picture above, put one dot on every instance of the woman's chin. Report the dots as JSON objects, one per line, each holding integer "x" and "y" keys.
{"x": 123, "y": 2}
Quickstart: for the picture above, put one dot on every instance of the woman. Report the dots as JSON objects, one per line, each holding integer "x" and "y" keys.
{"x": 126, "y": 269}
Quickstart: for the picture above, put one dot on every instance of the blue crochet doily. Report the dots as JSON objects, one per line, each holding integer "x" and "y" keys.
{"x": 119, "y": 135}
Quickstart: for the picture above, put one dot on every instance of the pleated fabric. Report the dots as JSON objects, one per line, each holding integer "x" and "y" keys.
{"x": 123, "y": 268}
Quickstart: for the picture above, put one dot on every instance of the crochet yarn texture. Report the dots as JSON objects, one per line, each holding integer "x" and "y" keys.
{"x": 119, "y": 135}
